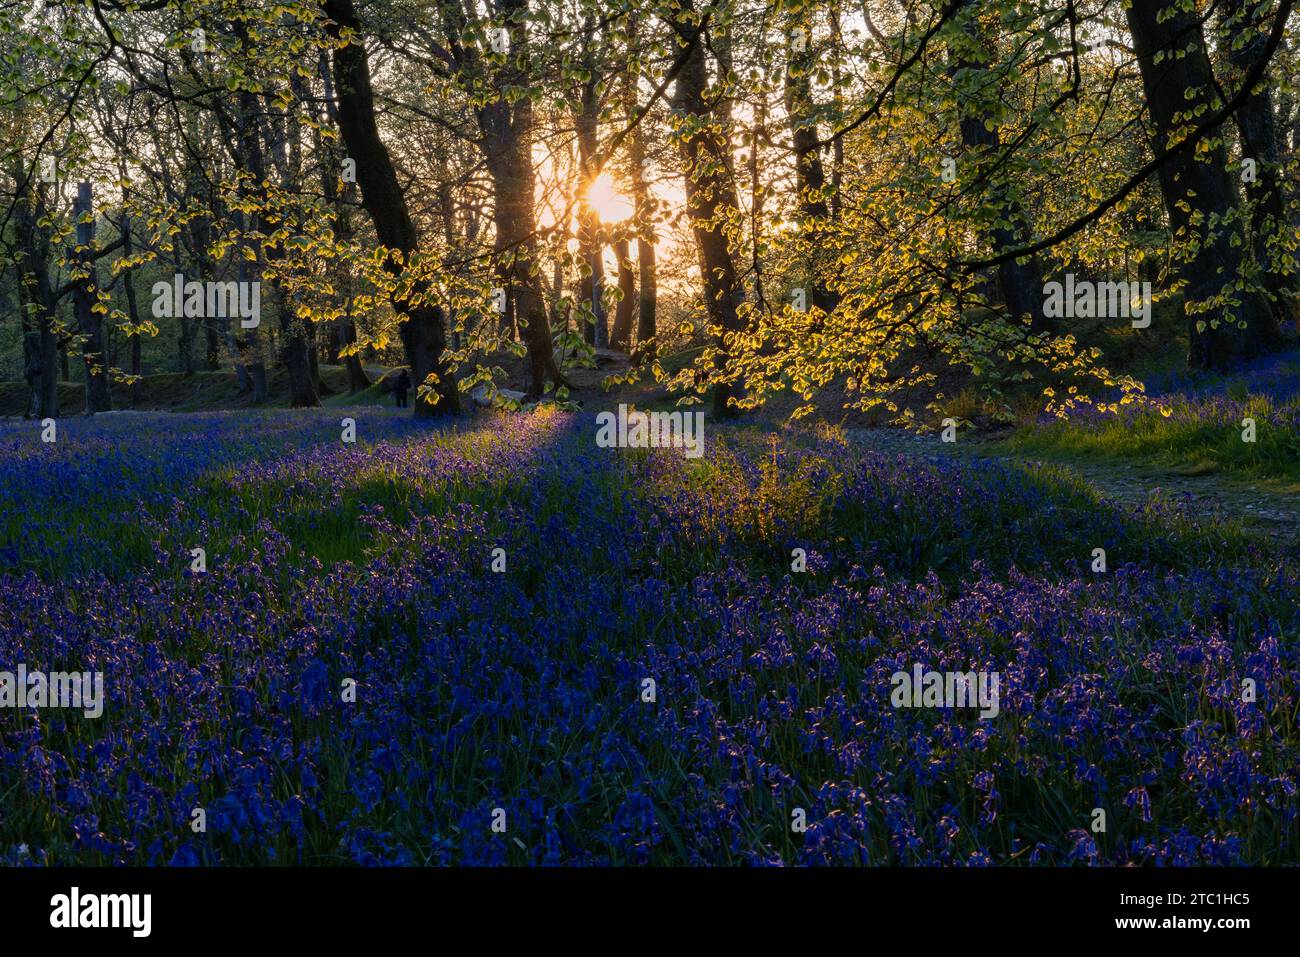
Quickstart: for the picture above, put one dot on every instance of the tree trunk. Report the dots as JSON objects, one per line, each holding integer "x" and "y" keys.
{"x": 1246, "y": 26}
{"x": 31, "y": 340}
{"x": 294, "y": 353}
{"x": 647, "y": 300}
{"x": 590, "y": 242}
{"x": 422, "y": 322}
{"x": 200, "y": 238}
{"x": 345, "y": 328}
{"x": 507, "y": 144}
{"x": 185, "y": 329}
{"x": 592, "y": 284}
{"x": 248, "y": 346}
{"x": 644, "y": 212}
{"x": 225, "y": 326}
{"x": 810, "y": 176}
{"x": 358, "y": 381}
{"x": 1021, "y": 283}
{"x": 1196, "y": 187}
{"x": 622, "y": 335}
{"x": 132, "y": 310}
{"x": 711, "y": 204}
{"x": 837, "y": 151}
{"x": 33, "y": 263}
{"x": 313, "y": 358}
{"x": 512, "y": 177}
{"x": 300, "y": 332}
{"x": 297, "y": 357}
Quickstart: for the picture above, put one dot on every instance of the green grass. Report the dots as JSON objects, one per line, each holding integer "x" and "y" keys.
{"x": 1195, "y": 438}
{"x": 374, "y": 395}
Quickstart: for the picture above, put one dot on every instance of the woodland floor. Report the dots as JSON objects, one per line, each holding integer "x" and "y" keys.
{"x": 1270, "y": 508}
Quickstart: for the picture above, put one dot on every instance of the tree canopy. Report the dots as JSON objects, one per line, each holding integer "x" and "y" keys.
{"x": 812, "y": 195}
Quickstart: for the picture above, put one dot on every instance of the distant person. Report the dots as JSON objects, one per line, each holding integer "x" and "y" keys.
{"x": 402, "y": 387}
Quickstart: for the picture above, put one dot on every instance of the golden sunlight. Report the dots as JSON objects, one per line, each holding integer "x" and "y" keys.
{"x": 611, "y": 205}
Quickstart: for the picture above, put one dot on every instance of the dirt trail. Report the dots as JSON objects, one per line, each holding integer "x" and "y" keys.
{"x": 1267, "y": 508}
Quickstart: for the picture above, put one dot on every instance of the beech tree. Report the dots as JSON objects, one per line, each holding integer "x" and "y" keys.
{"x": 819, "y": 195}
{"x": 422, "y": 331}
{"x": 1200, "y": 198}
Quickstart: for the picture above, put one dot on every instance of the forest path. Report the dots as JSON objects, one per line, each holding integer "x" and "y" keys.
{"x": 1268, "y": 508}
